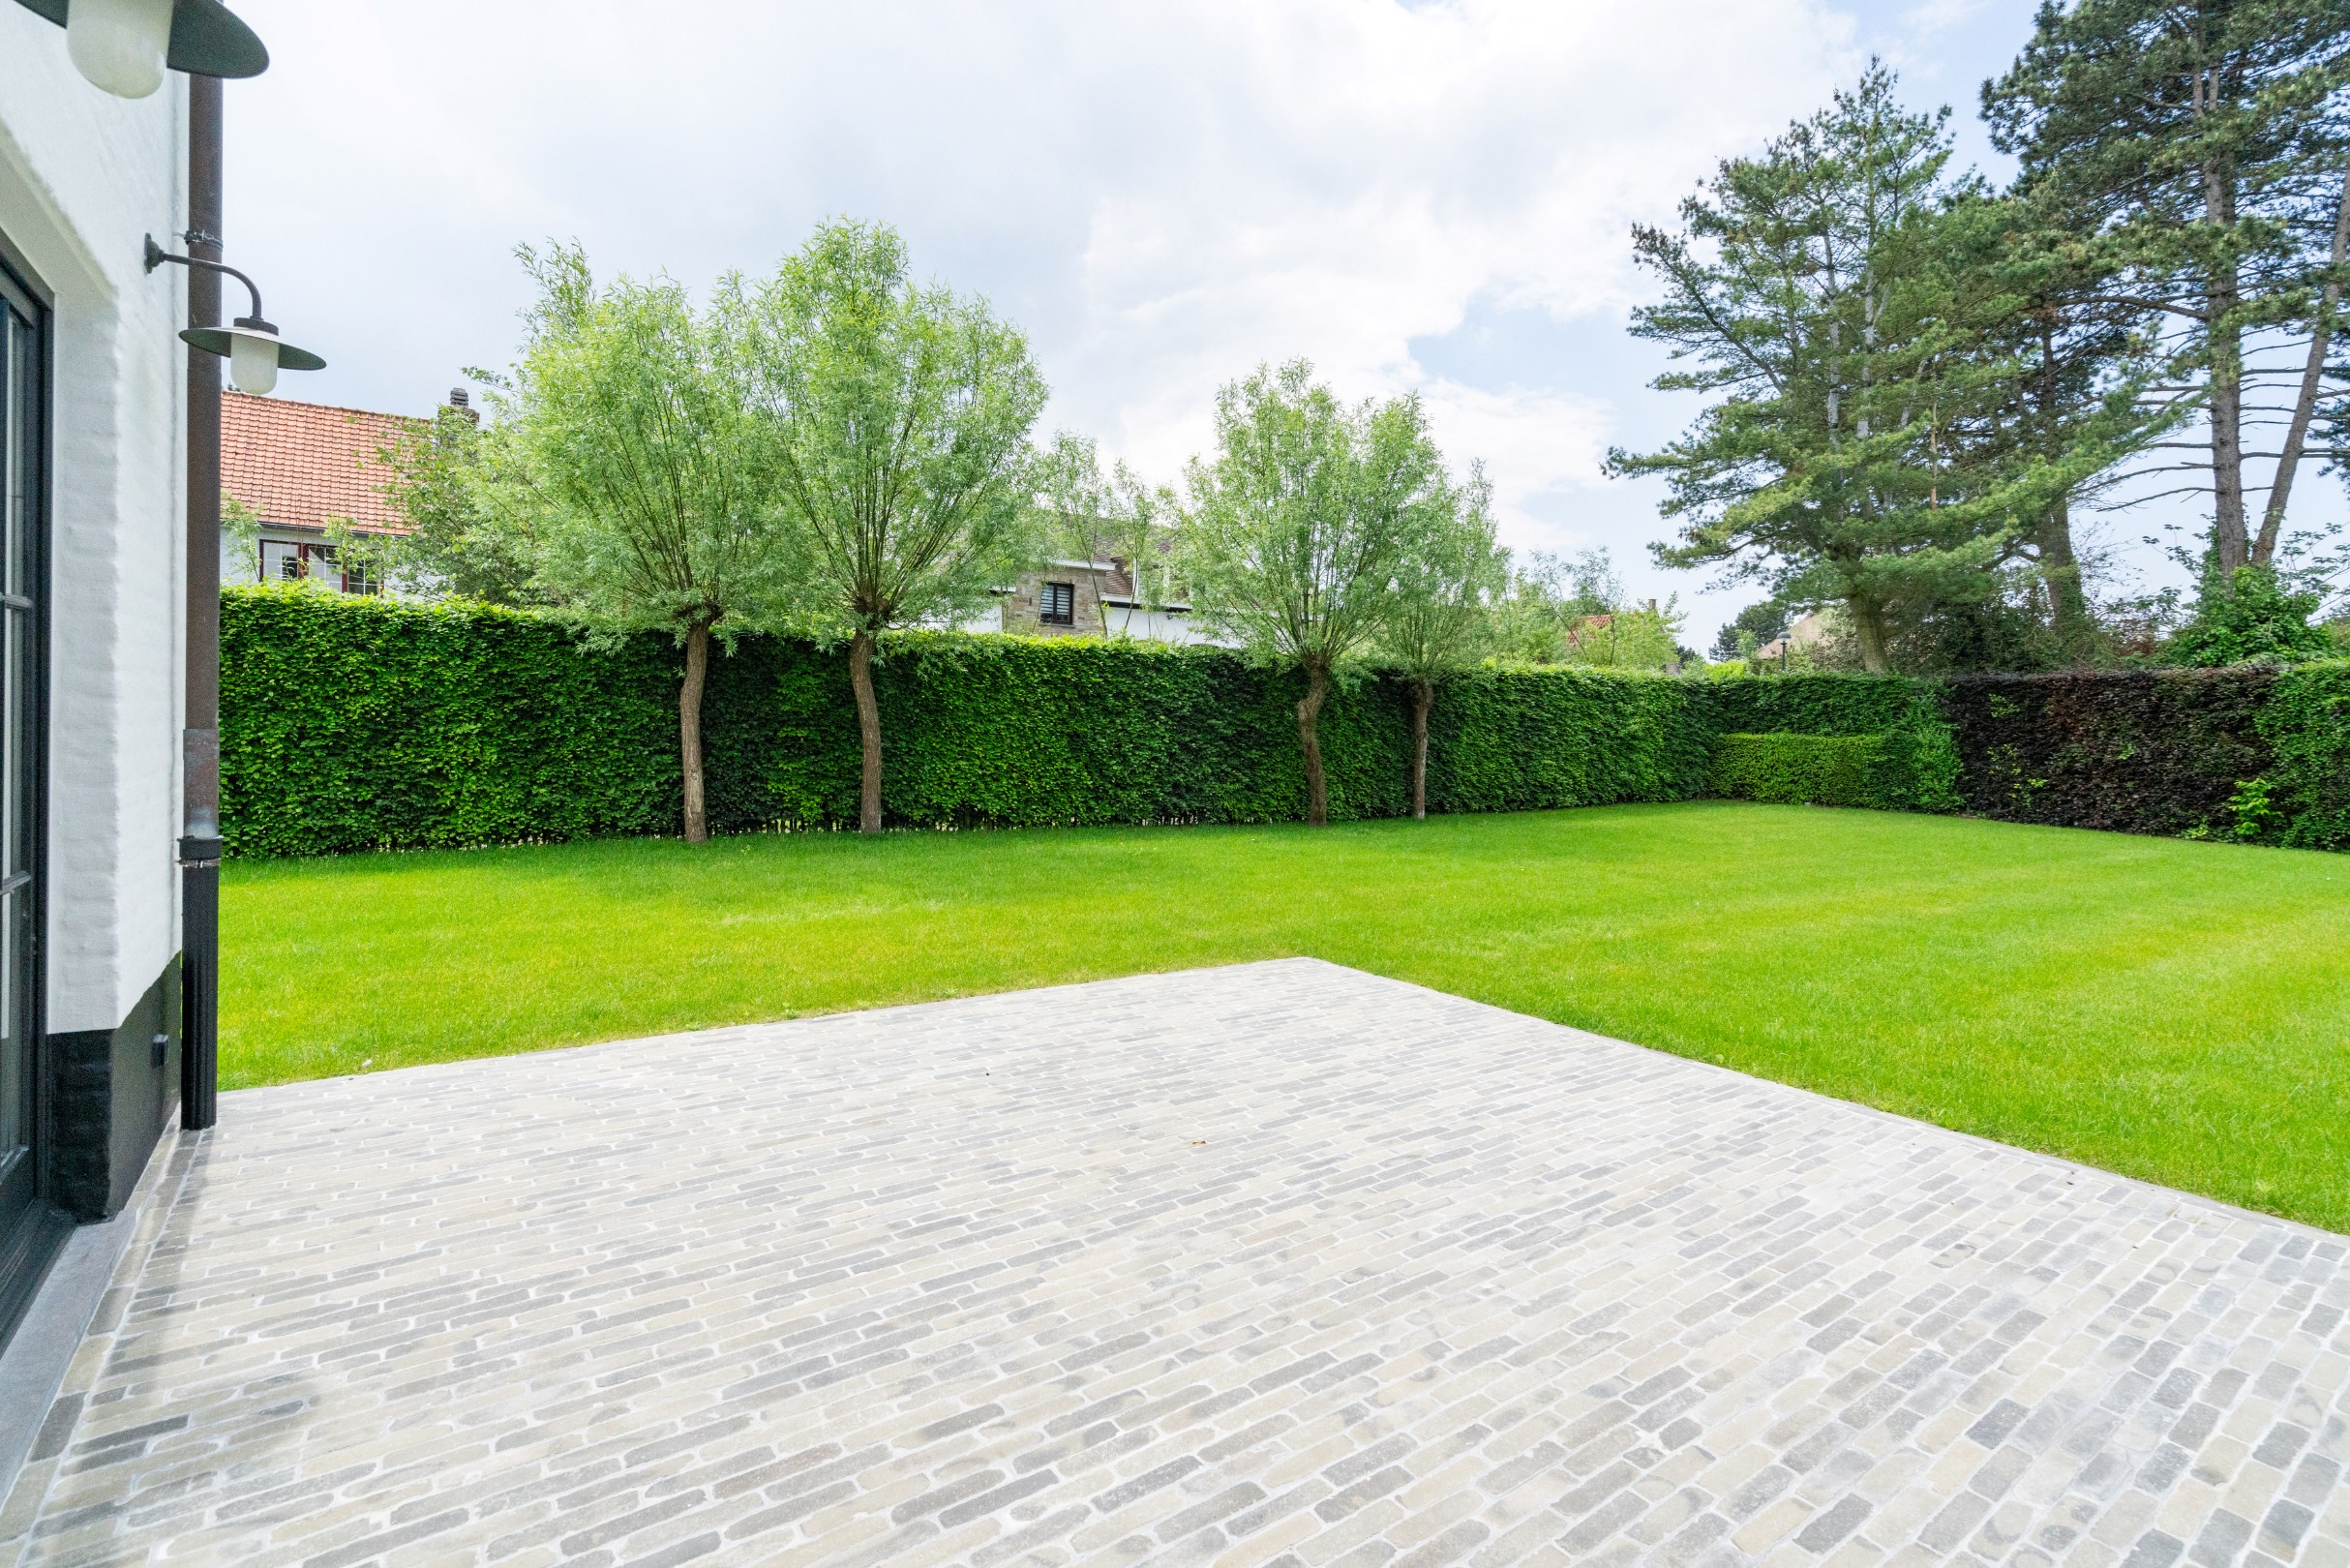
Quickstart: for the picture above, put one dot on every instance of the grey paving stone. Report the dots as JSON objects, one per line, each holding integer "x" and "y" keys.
{"x": 1279, "y": 1263}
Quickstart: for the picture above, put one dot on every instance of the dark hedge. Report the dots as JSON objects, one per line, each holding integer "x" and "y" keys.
{"x": 2137, "y": 752}
{"x": 351, "y": 724}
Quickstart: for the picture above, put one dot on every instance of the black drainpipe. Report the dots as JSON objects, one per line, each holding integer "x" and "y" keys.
{"x": 200, "y": 845}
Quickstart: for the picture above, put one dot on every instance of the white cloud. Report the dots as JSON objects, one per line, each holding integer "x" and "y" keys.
{"x": 1162, "y": 194}
{"x": 1538, "y": 448}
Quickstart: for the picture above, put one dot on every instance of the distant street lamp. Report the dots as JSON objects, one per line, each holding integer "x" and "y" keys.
{"x": 126, "y": 45}
{"x": 254, "y": 352}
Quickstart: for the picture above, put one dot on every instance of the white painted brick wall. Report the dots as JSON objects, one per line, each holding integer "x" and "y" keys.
{"x": 83, "y": 176}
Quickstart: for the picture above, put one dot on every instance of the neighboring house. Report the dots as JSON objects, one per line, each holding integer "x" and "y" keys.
{"x": 1091, "y": 598}
{"x": 1809, "y": 630}
{"x": 300, "y": 467}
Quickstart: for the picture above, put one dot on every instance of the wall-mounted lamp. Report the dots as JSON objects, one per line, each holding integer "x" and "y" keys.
{"x": 254, "y": 352}
{"x": 126, "y": 45}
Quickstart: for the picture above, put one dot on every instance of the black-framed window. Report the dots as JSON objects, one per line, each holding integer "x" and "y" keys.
{"x": 1057, "y": 604}
{"x": 24, "y": 490}
{"x": 289, "y": 560}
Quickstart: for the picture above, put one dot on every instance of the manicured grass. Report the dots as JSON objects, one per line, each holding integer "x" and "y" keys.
{"x": 2177, "y": 1011}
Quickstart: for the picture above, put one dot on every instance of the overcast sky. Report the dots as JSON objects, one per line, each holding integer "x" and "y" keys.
{"x": 1432, "y": 195}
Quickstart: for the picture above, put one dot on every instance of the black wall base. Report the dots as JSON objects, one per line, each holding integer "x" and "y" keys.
{"x": 114, "y": 1093}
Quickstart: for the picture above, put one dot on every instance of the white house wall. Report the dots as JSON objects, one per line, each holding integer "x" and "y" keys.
{"x": 1156, "y": 625}
{"x": 83, "y": 177}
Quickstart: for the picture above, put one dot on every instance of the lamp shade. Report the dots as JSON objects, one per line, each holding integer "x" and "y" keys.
{"x": 255, "y": 352}
{"x": 253, "y": 364}
{"x": 206, "y": 37}
{"x": 120, "y": 45}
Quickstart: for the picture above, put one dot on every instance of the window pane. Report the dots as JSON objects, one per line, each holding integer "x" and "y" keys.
{"x": 21, "y": 482}
{"x": 16, "y": 797}
{"x": 16, "y": 1102}
{"x": 24, "y": 385}
{"x": 18, "y": 373}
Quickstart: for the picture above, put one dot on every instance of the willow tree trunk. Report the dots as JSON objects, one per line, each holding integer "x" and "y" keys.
{"x": 1310, "y": 736}
{"x": 689, "y": 730}
{"x": 868, "y": 732}
{"x": 1423, "y": 698}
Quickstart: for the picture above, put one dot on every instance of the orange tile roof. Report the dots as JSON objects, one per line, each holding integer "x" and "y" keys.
{"x": 301, "y": 465}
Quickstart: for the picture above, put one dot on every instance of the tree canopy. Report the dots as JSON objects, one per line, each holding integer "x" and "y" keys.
{"x": 631, "y": 459}
{"x": 893, "y": 421}
{"x": 1297, "y": 527}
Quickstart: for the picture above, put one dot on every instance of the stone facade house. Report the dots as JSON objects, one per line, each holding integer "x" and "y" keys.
{"x": 1091, "y": 598}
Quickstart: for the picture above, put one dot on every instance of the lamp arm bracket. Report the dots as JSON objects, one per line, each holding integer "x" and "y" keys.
{"x": 157, "y": 256}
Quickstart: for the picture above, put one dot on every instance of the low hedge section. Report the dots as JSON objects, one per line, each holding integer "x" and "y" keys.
{"x": 1797, "y": 769}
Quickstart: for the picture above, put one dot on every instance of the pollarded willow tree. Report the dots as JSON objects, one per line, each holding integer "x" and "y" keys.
{"x": 1298, "y": 526}
{"x": 627, "y": 441}
{"x": 894, "y": 422}
{"x": 1450, "y": 579}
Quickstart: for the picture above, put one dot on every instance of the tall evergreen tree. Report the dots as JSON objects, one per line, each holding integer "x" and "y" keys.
{"x": 2200, "y": 145}
{"x": 2043, "y": 385}
{"x": 1805, "y": 290}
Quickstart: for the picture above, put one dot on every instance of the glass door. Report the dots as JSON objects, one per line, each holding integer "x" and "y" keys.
{"x": 23, "y": 487}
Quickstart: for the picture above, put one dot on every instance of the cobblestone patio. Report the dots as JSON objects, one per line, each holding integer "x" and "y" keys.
{"x": 1279, "y": 1263}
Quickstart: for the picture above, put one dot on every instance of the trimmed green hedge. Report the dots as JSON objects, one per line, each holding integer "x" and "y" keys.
{"x": 353, "y": 723}
{"x": 1915, "y": 762}
{"x": 1798, "y": 770}
{"x": 350, "y": 724}
{"x": 1817, "y": 703}
{"x": 2303, "y": 798}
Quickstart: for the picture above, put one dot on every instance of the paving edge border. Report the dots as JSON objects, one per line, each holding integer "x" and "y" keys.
{"x": 2180, "y": 1195}
{"x": 2216, "y": 1205}
{"x": 56, "y": 1354}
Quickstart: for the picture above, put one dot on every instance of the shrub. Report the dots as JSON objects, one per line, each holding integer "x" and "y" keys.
{"x": 2253, "y": 615}
{"x": 2305, "y": 722}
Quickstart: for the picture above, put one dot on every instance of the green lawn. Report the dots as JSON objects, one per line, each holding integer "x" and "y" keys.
{"x": 2177, "y": 1011}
